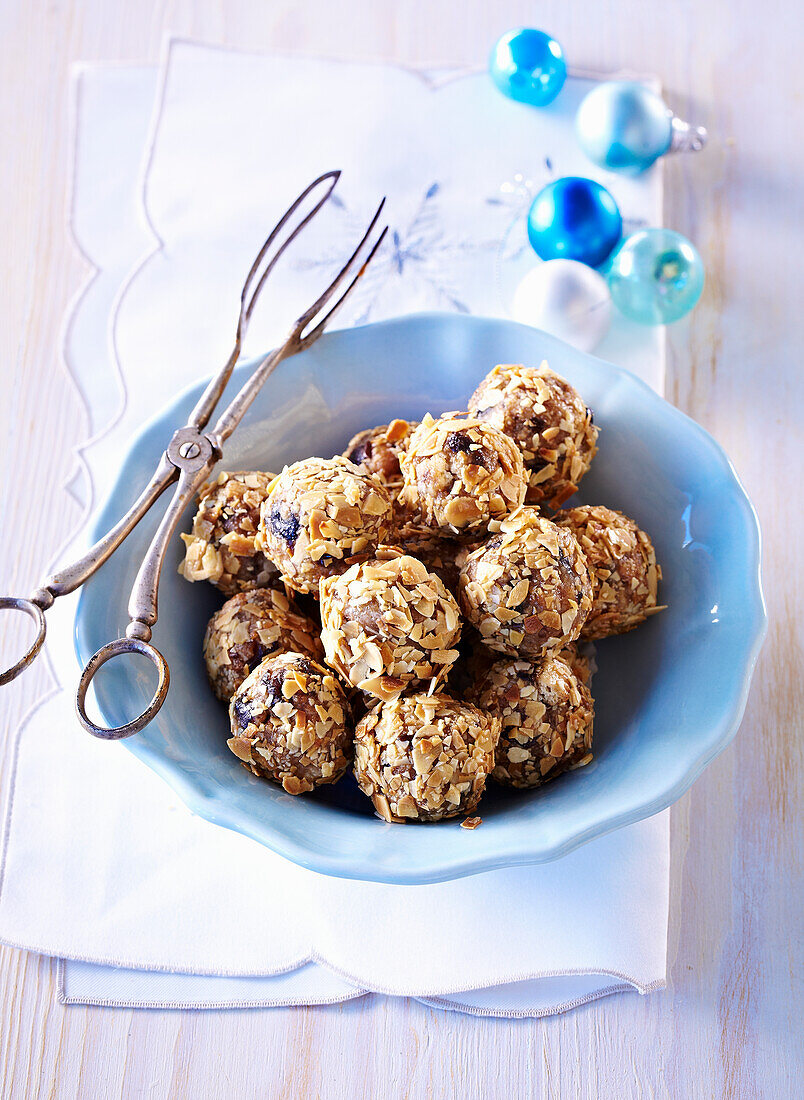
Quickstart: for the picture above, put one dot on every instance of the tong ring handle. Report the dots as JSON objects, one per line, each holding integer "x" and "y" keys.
{"x": 106, "y": 653}
{"x": 19, "y": 603}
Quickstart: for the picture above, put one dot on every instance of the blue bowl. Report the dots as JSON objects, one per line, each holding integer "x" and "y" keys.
{"x": 669, "y": 696}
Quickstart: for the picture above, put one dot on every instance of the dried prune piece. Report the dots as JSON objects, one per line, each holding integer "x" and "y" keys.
{"x": 287, "y": 527}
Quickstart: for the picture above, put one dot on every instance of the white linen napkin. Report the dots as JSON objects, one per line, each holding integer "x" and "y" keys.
{"x": 102, "y": 865}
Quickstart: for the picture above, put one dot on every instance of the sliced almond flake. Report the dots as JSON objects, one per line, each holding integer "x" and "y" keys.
{"x": 517, "y": 755}
{"x": 241, "y": 747}
{"x": 375, "y": 505}
{"x": 567, "y": 622}
{"x": 444, "y": 656}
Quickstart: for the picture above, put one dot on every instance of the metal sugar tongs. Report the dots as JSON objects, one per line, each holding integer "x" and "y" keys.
{"x": 189, "y": 459}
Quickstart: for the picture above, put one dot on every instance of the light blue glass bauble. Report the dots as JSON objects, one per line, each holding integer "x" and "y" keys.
{"x": 574, "y": 219}
{"x": 624, "y": 126}
{"x": 656, "y": 276}
{"x": 528, "y": 65}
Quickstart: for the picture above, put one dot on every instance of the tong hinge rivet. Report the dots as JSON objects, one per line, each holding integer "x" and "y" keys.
{"x": 189, "y": 449}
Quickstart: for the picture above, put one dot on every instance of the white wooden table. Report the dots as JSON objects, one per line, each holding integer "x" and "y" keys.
{"x": 729, "y": 1023}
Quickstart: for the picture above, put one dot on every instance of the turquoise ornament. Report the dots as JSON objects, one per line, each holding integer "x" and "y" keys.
{"x": 574, "y": 219}
{"x": 656, "y": 277}
{"x": 528, "y": 66}
{"x": 625, "y": 127}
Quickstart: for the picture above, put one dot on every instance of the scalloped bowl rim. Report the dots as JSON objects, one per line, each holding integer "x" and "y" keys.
{"x": 208, "y": 805}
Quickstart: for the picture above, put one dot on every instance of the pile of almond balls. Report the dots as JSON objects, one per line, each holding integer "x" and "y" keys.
{"x": 420, "y": 607}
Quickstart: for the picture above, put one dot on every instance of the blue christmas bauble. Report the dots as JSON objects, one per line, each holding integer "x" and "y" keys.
{"x": 624, "y": 126}
{"x": 574, "y": 219}
{"x": 656, "y": 277}
{"x": 528, "y": 65}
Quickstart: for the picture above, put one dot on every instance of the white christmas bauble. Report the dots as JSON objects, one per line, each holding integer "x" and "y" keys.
{"x": 566, "y": 298}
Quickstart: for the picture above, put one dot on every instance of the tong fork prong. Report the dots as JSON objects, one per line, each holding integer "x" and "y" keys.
{"x": 205, "y": 407}
{"x": 307, "y": 338}
{"x": 300, "y": 338}
{"x": 246, "y": 309}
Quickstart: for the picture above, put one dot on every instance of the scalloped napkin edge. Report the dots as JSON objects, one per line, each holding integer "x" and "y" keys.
{"x": 114, "y": 235}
